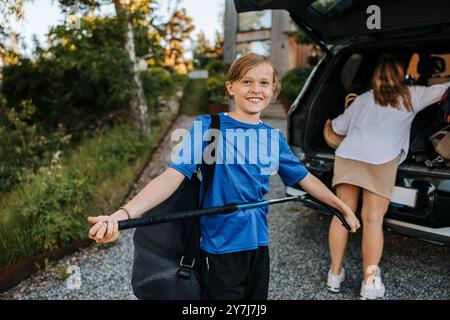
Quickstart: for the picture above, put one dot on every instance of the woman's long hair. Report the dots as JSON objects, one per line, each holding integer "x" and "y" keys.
{"x": 388, "y": 83}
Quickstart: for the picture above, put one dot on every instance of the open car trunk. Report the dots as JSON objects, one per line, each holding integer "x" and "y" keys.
{"x": 427, "y": 64}
{"x": 345, "y": 21}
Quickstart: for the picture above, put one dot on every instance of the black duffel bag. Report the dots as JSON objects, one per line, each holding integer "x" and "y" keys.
{"x": 166, "y": 255}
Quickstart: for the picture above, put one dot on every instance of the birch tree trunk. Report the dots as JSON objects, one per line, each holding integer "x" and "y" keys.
{"x": 138, "y": 102}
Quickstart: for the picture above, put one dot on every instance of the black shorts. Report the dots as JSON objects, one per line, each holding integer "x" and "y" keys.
{"x": 237, "y": 275}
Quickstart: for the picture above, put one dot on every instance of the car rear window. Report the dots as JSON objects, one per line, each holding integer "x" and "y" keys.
{"x": 350, "y": 70}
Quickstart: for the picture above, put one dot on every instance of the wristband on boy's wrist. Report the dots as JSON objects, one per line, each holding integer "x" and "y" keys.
{"x": 126, "y": 211}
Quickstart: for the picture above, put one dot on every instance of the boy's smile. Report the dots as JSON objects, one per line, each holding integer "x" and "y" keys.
{"x": 254, "y": 91}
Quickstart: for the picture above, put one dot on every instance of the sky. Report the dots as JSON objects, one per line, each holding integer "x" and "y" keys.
{"x": 40, "y": 15}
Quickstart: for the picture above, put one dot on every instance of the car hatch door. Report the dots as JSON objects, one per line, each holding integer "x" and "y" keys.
{"x": 331, "y": 22}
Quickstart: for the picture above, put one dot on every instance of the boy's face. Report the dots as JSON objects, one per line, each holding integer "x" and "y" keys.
{"x": 254, "y": 91}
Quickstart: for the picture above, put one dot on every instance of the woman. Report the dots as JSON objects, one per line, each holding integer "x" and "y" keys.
{"x": 377, "y": 129}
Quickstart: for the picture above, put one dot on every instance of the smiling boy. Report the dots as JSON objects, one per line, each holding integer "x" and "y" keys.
{"x": 234, "y": 246}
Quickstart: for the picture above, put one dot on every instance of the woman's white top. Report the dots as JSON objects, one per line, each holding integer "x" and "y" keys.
{"x": 376, "y": 134}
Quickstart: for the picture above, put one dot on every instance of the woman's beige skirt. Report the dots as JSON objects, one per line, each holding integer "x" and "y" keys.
{"x": 378, "y": 178}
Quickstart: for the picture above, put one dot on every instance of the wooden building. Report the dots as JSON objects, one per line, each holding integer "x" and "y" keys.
{"x": 268, "y": 32}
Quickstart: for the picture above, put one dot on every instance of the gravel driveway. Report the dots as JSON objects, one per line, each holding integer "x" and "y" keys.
{"x": 299, "y": 257}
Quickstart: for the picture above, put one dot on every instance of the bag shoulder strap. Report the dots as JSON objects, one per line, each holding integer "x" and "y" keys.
{"x": 192, "y": 246}
{"x": 209, "y": 169}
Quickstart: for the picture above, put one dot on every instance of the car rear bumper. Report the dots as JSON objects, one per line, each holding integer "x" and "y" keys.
{"x": 440, "y": 235}
{"x": 435, "y": 235}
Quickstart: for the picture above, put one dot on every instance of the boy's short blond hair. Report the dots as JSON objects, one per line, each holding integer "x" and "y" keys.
{"x": 242, "y": 65}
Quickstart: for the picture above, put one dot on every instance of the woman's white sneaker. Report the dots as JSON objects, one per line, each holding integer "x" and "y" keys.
{"x": 375, "y": 289}
{"x": 334, "y": 281}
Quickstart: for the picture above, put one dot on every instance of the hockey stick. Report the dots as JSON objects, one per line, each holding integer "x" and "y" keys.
{"x": 162, "y": 218}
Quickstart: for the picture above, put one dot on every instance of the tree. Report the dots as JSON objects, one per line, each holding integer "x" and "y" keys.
{"x": 8, "y": 10}
{"x": 138, "y": 102}
{"x": 205, "y": 53}
{"x": 218, "y": 46}
{"x": 147, "y": 34}
{"x": 124, "y": 10}
{"x": 177, "y": 30}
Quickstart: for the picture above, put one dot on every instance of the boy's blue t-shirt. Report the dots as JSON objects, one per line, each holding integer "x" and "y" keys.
{"x": 242, "y": 175}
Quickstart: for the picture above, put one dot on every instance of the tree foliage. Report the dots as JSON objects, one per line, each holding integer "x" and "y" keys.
{"x": 205, "y": 52}
{"x": 80, "y": 84}
{"x": 84, "y": 74}
{"x": 175, "y": 31}
{"x": 11, "y": 9}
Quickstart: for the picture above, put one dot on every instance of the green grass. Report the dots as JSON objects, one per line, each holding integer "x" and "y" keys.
{"x": 50, "y": 211}
{"x": 194, "y": 97}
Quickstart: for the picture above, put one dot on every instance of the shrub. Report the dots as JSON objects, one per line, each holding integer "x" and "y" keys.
{"x": 195, "y": 97}
{"x": 216, "y": 85}
{"x": 50, "y": 210}
{"x": 292, "y": 82}
{"x": 216, "y": 67}
{"x": 219, "y": 100}
{"x": 25, "y": 147}
{"x": 157, "y": 82}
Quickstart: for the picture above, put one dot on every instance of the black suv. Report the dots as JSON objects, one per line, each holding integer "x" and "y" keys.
{"x": 418, "y": 33}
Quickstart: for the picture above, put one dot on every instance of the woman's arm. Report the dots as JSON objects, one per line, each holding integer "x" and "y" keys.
{"x": 341, "y": 123}
{"x": 428, "y": 96}
{"x": 318, "y": 190}
{"x": 105, "y": 228}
